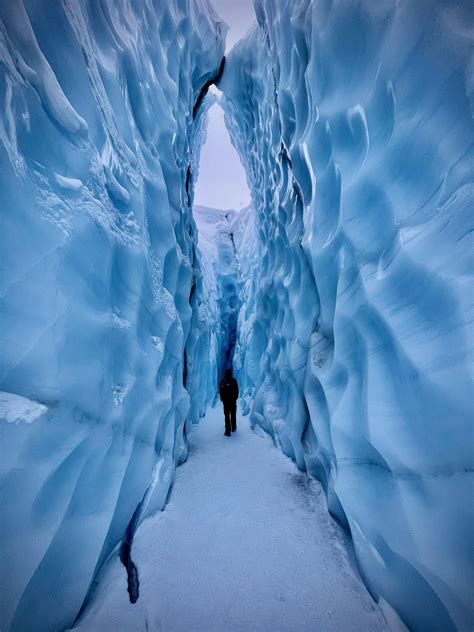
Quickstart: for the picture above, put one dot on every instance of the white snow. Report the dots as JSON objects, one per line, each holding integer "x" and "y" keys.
{"x": 245, "y": 543}
{"x": 17, "y": 409}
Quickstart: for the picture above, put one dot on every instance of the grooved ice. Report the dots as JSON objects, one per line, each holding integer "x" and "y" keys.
{"x": 354, "y": 123}
{"x": 99, "y": 282}
{"x": 342, "y": 295}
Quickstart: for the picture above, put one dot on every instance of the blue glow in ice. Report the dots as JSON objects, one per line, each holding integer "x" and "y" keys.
{"x": 354, "y": 122}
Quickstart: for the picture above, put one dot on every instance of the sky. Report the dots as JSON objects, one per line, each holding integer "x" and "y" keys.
{"x": 239, "y": 15}
{"x": 222, "y": 182}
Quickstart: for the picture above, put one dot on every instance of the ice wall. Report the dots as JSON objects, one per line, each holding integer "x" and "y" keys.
{"x": 221, "y": 274}
{"x": 99, "y": 282}
{"x": 354, "y": 122}
{"x": 202, "y": 351}
{"x": 248, "y": 351}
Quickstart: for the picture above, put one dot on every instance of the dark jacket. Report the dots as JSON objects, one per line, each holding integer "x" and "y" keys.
{"x": 229, "y": 391}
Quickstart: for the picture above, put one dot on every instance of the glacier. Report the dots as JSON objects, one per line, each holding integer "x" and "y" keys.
{"x": 103, "y": 305}
{"x": 354, "y": 124}
{"x": 342, "y": 296}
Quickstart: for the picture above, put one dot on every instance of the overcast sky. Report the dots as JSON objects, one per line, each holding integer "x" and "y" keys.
{"x": 222, "y": 183}
{"x": 239, "y": 15}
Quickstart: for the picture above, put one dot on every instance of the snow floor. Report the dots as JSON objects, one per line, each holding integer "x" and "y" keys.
{"x": 245, "y": 543}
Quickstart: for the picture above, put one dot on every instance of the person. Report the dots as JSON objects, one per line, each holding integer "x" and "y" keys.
{"x": 229, "y": 392}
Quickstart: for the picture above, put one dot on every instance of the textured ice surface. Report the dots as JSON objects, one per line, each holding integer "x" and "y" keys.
{"x": 216, "y": 243}
{"x": 99, "y": 282}
{"x": 354, "y": 123}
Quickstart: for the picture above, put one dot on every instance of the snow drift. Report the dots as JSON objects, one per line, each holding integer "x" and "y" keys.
{"x": 353, "y": 121}
{"x": 99, "y": 133}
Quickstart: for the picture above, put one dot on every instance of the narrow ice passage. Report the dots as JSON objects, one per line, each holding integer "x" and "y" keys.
{"x": 245, "y": 543}
{"x": 344, "y": 292}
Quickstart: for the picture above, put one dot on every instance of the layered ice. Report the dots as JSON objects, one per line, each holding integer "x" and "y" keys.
{"x": 354, "y": 123}
{"x": 100, "y": 283}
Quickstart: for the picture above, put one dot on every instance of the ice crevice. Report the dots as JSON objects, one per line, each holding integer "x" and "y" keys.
{"x": 342, "y": 296}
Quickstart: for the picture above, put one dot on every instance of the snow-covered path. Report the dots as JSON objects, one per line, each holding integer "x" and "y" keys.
{"x": 245, "y": 543}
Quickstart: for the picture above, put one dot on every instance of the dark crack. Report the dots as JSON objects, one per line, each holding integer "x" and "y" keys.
{"x": 207, "y": 85}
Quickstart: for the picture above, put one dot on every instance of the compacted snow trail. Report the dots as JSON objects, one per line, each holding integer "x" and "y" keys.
{"x": 245, "y": 543}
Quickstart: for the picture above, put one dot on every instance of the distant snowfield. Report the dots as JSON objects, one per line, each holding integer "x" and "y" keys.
{"x": 245, "y": 543}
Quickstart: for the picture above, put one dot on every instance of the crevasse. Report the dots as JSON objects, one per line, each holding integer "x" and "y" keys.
{"x": 353, "y": 121}
{"x": 352, "y": 288}
{"x": 103, "y": 307}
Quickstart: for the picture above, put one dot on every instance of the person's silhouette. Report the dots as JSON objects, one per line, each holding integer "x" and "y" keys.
{"x": 229, "y": 392}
